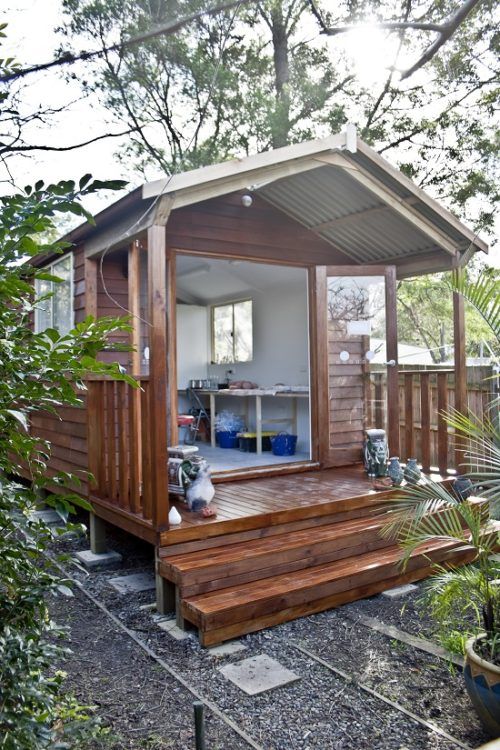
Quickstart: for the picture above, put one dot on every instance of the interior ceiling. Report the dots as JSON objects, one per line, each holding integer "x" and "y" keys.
{"x": 204, "y": 281}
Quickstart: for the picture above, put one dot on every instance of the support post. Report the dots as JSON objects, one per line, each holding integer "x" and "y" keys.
{"x": 165, "y": 592}
{"x": 134, "y": 283}
{"x": 97, "y": 532}
{"x": 392, "y": 355}
{"x": 460, "y": 371}
{"x": 158, "y": 374}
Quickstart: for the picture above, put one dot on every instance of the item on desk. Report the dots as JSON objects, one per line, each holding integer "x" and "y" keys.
{"x": 200, "y": 493}
{"x": 244, "y": 385}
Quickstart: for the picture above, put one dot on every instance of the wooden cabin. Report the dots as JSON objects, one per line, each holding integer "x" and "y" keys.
{"x": 278, "y": 270}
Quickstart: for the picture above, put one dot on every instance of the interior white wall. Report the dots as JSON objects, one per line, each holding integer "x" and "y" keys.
{"x": 193, "y": 351}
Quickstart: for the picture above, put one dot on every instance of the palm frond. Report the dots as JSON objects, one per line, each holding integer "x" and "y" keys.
{"x": 483, "y": 294}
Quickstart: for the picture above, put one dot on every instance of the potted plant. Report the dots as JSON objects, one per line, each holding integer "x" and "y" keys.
{"x": 465, "y": 601}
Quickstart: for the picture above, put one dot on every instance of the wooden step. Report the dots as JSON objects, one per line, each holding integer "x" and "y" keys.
{"x": 245, "y": 608}
{"x": 231, "y": 564}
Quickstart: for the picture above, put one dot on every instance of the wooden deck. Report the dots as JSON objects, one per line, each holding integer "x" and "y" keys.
{"x": 284, "y": 547}
{"x": 263, "y": 502}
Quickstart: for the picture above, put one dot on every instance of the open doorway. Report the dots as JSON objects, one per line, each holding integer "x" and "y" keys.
{"x": 243, "y": 361}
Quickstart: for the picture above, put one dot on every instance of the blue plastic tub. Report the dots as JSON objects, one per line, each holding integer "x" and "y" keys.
{"x": 284, "y": 444}
{"x": 227, "y": 439}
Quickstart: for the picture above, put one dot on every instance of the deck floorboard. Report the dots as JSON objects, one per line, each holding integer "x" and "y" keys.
{"x": 254, "y": 503}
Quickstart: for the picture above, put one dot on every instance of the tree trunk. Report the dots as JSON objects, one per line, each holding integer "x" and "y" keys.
{"x": 281, "y": 119}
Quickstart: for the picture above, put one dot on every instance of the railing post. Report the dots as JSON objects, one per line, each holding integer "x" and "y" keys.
{"x": 392, "y": 354}
{"x": 460, "y": 372}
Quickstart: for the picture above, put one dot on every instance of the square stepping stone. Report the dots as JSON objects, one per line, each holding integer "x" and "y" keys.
{"x": 133, "y": 583}
{"x": 91, "y": 561}
{"x": 399, "y": 591}
{"x": 170, "y": 627}
{"x": 227, "y": 649}
{"x": 258, "y": 674}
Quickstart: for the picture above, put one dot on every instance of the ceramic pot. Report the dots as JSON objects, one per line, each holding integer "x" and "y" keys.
{"x": 482, "y": 680}
{"x": 462, "y": 487}
{"x": 395, "y": 471}
{"x": 412, "y": 472}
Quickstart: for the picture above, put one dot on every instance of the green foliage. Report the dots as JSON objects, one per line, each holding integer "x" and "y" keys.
{"x": 278, "y": 81}
{"x": 455, "y": 599}
{"x": 425, "y": 315}
{"x": 38, "y": 371}
{"x": 465, "y": 600}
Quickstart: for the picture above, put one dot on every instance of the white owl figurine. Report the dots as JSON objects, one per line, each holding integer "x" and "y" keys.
{"x": 201, "y": 492}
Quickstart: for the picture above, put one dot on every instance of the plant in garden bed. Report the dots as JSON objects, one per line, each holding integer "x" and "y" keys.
{"x": 465, "y": 601}
{"x": 38, "y": 371}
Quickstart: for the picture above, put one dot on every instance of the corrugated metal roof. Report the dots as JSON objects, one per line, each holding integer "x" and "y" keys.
{"x": 373, "y": 233}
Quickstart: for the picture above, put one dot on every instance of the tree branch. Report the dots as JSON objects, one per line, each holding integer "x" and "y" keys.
{"x": 24, "y": 148}
{"x": 166, "y": 29}
{"x": 444, "y": 30}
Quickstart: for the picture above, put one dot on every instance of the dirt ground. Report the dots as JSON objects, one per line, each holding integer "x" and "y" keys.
{"x": 146, "y": 707}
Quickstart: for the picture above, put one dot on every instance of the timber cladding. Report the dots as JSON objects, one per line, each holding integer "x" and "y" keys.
{"x": 223, "y": 226}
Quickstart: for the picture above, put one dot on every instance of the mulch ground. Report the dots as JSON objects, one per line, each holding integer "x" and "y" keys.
{"x": 145, "y": 707}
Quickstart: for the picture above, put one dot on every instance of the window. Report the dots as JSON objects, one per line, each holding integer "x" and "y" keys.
{"x": 232, "y": 332}
{"x": 57, "y": 310}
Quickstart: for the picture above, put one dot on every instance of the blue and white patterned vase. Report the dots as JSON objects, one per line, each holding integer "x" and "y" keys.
{"x": 482, "y": 680}
{"x": 395, "y": 471}
{"x": 412, "y": 471}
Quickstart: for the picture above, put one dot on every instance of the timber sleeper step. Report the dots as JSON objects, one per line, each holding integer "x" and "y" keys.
{"x": 246, "y": 608}
{"x": 202, "y": 571}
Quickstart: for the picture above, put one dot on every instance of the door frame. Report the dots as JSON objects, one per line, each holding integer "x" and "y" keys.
{"x": 319, "y": 343}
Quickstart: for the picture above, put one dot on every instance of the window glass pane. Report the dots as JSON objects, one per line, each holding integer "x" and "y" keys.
{"x": 243, "y": 335}
{"x": 223, "y": 334}
{"x": 43, "y": 314}
{"x": 61, "y": 301}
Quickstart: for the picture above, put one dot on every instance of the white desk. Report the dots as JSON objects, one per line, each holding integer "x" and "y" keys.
{"x": 257, "y": 394}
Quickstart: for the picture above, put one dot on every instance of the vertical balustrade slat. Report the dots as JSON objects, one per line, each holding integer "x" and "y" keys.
{"x": 135, "y": 448}
{"x": 147, "y": 498}
{"x": 409, "y": 430}
{"x": 123, "y": 466}
{"x": 425, "y": 421}
{"x": 111, "y": 438}
{"x": 442, "y": 403}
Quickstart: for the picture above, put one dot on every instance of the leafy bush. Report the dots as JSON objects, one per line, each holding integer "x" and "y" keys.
{"x": 38, "y": 371}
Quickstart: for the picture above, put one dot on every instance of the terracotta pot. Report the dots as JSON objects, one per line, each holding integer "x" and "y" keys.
{"x": 482, "y": 680}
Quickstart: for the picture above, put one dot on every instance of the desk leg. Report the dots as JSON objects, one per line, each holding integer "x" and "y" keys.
{"x": 212, "y": 420}
{"x": 294, "y": 415}
{"x": 258, "y": 422}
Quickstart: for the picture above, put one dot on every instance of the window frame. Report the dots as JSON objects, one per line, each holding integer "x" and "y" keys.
{"x": 51, "y": 268}
{"x": 231, "y": 303}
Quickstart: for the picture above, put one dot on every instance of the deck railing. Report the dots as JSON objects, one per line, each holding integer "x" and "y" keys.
{"x": 119, "y": 445}
{"x": 424, "y": 395}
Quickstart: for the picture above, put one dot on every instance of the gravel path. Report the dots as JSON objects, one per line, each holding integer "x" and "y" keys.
{"x": 147, "y": 708}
